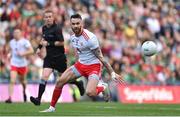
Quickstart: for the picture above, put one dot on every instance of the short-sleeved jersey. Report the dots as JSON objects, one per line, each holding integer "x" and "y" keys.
{"x": 52, "y": 34}
{"x": 84, "y": 44}
{"x": 19, "y": 46}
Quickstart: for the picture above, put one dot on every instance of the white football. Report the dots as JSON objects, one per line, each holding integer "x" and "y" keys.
{"x": 149, "y": 48}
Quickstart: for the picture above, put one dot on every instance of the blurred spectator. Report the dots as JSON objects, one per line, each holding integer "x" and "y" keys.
{"x": 120, "y": 26}
{"x": 4, "y": 73}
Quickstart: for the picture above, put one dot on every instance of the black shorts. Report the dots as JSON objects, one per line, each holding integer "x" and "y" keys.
{"x": 58, "y": 63}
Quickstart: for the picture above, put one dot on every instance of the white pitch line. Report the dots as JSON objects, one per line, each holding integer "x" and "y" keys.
{"x": 144, "y": 108}
{"x": 164, "y": 108}
{"x": 106, "y": 107}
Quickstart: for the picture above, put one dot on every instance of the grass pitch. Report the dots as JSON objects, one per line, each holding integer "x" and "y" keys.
{"x": 91, "y": 109}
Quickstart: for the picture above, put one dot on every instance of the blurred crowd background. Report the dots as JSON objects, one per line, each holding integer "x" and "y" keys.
{"x": 120, "y": 25}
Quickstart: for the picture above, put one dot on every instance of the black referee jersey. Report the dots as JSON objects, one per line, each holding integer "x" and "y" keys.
{"x": 52, "y": 34}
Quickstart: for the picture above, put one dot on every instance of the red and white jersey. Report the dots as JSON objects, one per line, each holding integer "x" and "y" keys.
{"x": 84, "y": 44}
{"x": 19, "y": 46}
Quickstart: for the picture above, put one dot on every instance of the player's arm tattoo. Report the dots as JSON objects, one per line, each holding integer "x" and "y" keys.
{"x": 99, "y": 55}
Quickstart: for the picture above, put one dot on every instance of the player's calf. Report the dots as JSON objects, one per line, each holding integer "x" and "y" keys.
{"x": 25, "y": 97}
{"x": 91, "y": 92}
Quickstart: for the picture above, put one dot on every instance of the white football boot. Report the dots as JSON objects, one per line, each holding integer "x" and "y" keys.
{"x": 106, "y": 92}
{"x": 49, "y": 110}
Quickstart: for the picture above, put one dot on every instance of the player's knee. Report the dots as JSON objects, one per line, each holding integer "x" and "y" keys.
{"x": 23, "y": 82}
{"x": 60, "y": 83}
{"x": 91, "y": 93}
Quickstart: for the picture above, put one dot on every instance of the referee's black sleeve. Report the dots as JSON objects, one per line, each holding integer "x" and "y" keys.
{"x": 59, "y": 33}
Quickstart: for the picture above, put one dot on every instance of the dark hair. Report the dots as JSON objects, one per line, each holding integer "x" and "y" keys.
{"x": 76, "y": 16}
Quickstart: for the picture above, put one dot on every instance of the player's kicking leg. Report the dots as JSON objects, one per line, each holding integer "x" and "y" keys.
{"x": 65, "y": 77}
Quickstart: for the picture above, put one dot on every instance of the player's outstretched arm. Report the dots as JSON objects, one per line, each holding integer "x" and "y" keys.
{"x": 114, "y": 76}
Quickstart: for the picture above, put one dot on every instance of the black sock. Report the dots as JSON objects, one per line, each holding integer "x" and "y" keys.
{"x": 80, "y": 86}
{"x": 24, "y": 89}
{"x": 42, "y": 87}
{"x": 73, "y": 82}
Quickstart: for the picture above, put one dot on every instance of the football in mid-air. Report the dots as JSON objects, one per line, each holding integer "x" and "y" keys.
{"x": 149, "y": 48}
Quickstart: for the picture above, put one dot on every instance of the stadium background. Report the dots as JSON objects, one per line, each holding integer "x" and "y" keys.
{"x": 120, "y": 26}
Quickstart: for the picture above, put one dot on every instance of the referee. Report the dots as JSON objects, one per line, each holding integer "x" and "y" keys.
{"x": 55, "y": 59}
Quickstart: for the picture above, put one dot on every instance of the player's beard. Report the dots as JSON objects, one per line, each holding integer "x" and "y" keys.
{"x": 77, "y": 31}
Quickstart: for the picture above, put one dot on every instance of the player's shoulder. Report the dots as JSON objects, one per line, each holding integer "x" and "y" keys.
{"x": 24, "y": 40}
{"x": 12, "y": 41}
{"x": 72, "y": 35}
{"x": 88, "y": 34}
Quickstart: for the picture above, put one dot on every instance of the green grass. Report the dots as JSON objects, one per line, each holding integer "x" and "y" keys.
{"x": 91, "y": 109}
